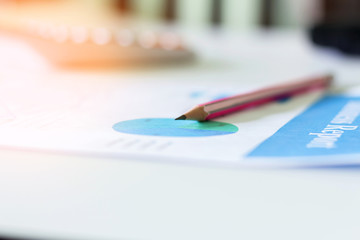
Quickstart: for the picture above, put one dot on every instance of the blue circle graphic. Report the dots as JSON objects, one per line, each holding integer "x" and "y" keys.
{"x": 174, "y": 128}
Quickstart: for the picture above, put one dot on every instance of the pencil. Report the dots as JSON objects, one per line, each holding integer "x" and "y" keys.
{"x": 224, "y": 106}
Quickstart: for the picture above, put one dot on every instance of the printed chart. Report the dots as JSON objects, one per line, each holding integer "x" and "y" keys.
{"x": 171, "y": 128}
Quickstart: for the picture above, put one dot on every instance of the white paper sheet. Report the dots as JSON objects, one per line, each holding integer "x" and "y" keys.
{"x": 75, "y": 114}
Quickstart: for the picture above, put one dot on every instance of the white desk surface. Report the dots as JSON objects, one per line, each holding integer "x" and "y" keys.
{"x": 62, "y": 196}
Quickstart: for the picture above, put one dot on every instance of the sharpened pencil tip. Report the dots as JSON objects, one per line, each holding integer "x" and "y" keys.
{"x": 182, "y": 117}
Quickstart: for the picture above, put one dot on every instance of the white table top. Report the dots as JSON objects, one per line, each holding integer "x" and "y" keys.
{"x": 63, "y": 196}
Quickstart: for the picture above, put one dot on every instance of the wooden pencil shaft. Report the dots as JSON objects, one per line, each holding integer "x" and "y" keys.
{"x": 286, "y": 89}
{"x": 252, "y": 99}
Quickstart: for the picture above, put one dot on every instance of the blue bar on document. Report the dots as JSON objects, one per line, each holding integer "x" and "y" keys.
{"x": 329, "y": 127}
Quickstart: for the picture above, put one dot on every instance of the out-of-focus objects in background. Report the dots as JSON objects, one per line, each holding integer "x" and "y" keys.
{"x": 82, "y": 32}
{"x": 82, "y": 45}
{"x": 339, "y": 27}
{"x": 91, "y": 33}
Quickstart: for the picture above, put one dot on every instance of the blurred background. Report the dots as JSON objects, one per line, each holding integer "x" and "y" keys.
{"x": 235, "y": 14}
{"x": 43, "y": 21}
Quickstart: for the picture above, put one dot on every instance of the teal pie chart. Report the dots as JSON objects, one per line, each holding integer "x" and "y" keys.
{"x": 167, "y": 127}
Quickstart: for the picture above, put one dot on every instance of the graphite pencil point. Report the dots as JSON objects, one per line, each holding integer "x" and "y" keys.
{"x": 182, "y": 117}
